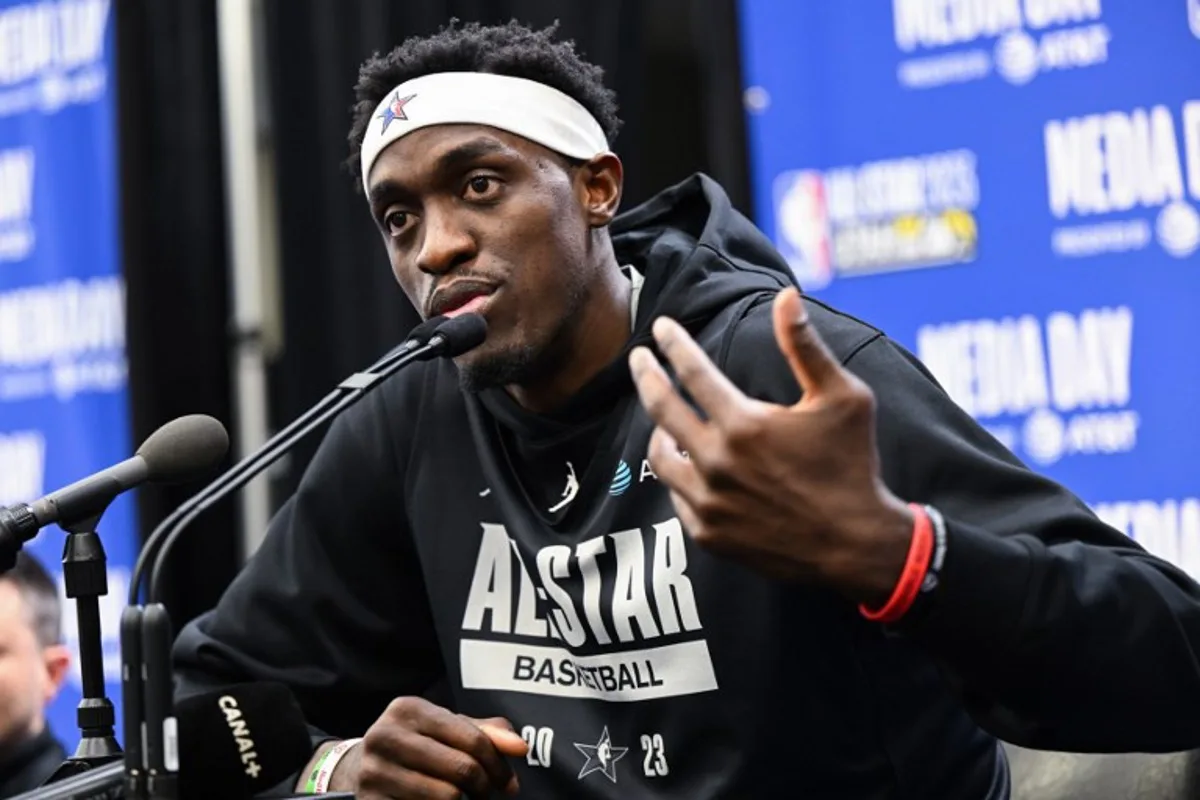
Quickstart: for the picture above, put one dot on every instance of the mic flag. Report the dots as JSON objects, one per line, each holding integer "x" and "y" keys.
{"x": 240, "y": 741}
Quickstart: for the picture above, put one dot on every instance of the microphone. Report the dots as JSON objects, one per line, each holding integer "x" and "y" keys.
{"x": 236, "y": 742}
{"x": 240, "y": 741}
{"x": 182, "y": 450}
{"x": 161, "y": 753}
{"x": 132, "y": 691}
{"x": 459, "y": 334}
{"x": 418, "y": 336}
{"x": 438, "y": 337}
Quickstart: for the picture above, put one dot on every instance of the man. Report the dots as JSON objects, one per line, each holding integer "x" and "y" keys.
{"x": 33, "y": 666}
{"x": 813, "y": 577}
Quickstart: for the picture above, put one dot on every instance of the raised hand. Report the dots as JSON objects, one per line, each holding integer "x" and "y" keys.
{"x": 793, "y": 491}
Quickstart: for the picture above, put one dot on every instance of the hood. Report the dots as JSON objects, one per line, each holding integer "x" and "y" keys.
{"x": 697, "y": 253}
{"x": 698, "y": 256}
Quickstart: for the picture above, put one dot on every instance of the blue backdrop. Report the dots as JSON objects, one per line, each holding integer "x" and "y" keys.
{"x": 63, "y": 405}
{"x": 1010, "y": 189}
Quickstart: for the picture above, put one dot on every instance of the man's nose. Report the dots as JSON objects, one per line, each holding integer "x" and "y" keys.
{"x": 445, "y": 243}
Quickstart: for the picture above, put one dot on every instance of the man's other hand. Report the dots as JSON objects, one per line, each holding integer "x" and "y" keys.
{"x": 420, "y": 750}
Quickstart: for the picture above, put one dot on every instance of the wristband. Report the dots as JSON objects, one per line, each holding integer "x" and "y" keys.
{"x": 916, "y": 565}
{"x": 310, "y": 786}
{"x": 311, "y": 783}
{"x": 322, "y": 774}
{"x": 933, "y": 573}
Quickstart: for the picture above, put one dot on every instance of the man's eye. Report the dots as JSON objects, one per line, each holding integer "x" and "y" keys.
{"x": 481, "y": 185}
{"x": 396, "y": 221}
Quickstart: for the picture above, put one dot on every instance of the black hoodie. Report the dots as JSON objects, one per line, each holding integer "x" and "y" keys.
{"x": 532, "y": 567}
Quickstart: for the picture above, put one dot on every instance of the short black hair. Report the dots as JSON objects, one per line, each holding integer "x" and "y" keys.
{"x": 39, "y": 594}
{"x": 510, "y": 49}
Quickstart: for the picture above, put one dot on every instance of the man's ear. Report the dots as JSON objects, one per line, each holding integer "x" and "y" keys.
{"x": 603, "y": 179}
{"x": 57, "y": 661}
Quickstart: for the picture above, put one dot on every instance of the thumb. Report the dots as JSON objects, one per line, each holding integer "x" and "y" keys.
{"x": 503, "y": 737}
{"x": 815, "y": 368}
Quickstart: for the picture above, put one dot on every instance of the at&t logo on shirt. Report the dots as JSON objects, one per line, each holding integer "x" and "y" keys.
{"x": 1115, "y": 166}
{"x": 901, "y": 213}
{"x": 1048, "y": 388}
{"x": 622, "y": 479}
{"x": 957, "y": 41}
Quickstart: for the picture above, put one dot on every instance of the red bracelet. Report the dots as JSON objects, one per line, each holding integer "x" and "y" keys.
{"x": 915, "y": 566}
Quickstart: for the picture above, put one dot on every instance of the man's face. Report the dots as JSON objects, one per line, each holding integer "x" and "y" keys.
{"x": 30, "y": 675}
{"x": 476, "y": 219}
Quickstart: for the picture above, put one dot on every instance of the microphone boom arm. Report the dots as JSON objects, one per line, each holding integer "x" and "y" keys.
{"x": 160, "y": 542}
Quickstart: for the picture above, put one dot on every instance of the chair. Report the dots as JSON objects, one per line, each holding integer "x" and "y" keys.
{"x": 1042, "y": 775}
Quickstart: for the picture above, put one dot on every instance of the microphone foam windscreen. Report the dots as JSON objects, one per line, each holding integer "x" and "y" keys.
{"x": 184, "y": 449}
{"x": 240, "y": 741}
{"x": 462, "y": 333}
{"x": 421, "y": 334}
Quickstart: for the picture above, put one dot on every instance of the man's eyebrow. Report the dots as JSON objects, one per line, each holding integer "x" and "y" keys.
{"x": 385, "y": 190}
{"x": 464, "y": 154}
{"x": 453, "y": 160}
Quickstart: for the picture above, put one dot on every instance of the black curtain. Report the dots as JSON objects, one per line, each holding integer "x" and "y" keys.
{"x": 174, "y": 260}
{"x": 673, "y": 63}
{"x": 674, "y": 66}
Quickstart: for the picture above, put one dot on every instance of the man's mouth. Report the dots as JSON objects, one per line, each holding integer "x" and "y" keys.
{"x": 461, "y": 298}
{"x": 472, "y": 305}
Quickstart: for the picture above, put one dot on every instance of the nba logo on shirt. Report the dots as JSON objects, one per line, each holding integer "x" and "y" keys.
{"x": 802, "y": 225}
{"x": 1193, "y": 9}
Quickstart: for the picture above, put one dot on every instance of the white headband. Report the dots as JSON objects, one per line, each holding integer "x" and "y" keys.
{"x": 527, "y": 108}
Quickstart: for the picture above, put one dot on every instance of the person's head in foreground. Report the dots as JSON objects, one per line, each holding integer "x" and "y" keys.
{"x": 33, "y": 666}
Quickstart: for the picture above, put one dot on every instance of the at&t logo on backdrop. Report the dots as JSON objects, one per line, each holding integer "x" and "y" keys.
{"x": 1117, "y": 166}
{"x": 956, "y": 41}
{"x": 1047, "y": 388}
{"x": 900, "y": 213}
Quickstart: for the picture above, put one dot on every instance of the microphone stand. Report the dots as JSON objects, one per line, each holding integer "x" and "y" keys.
{"x": 154, "y": 552}
{"x": 85, "y": 572}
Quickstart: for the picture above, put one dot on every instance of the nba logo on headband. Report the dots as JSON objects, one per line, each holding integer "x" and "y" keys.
{"x": 394, "y": 110}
